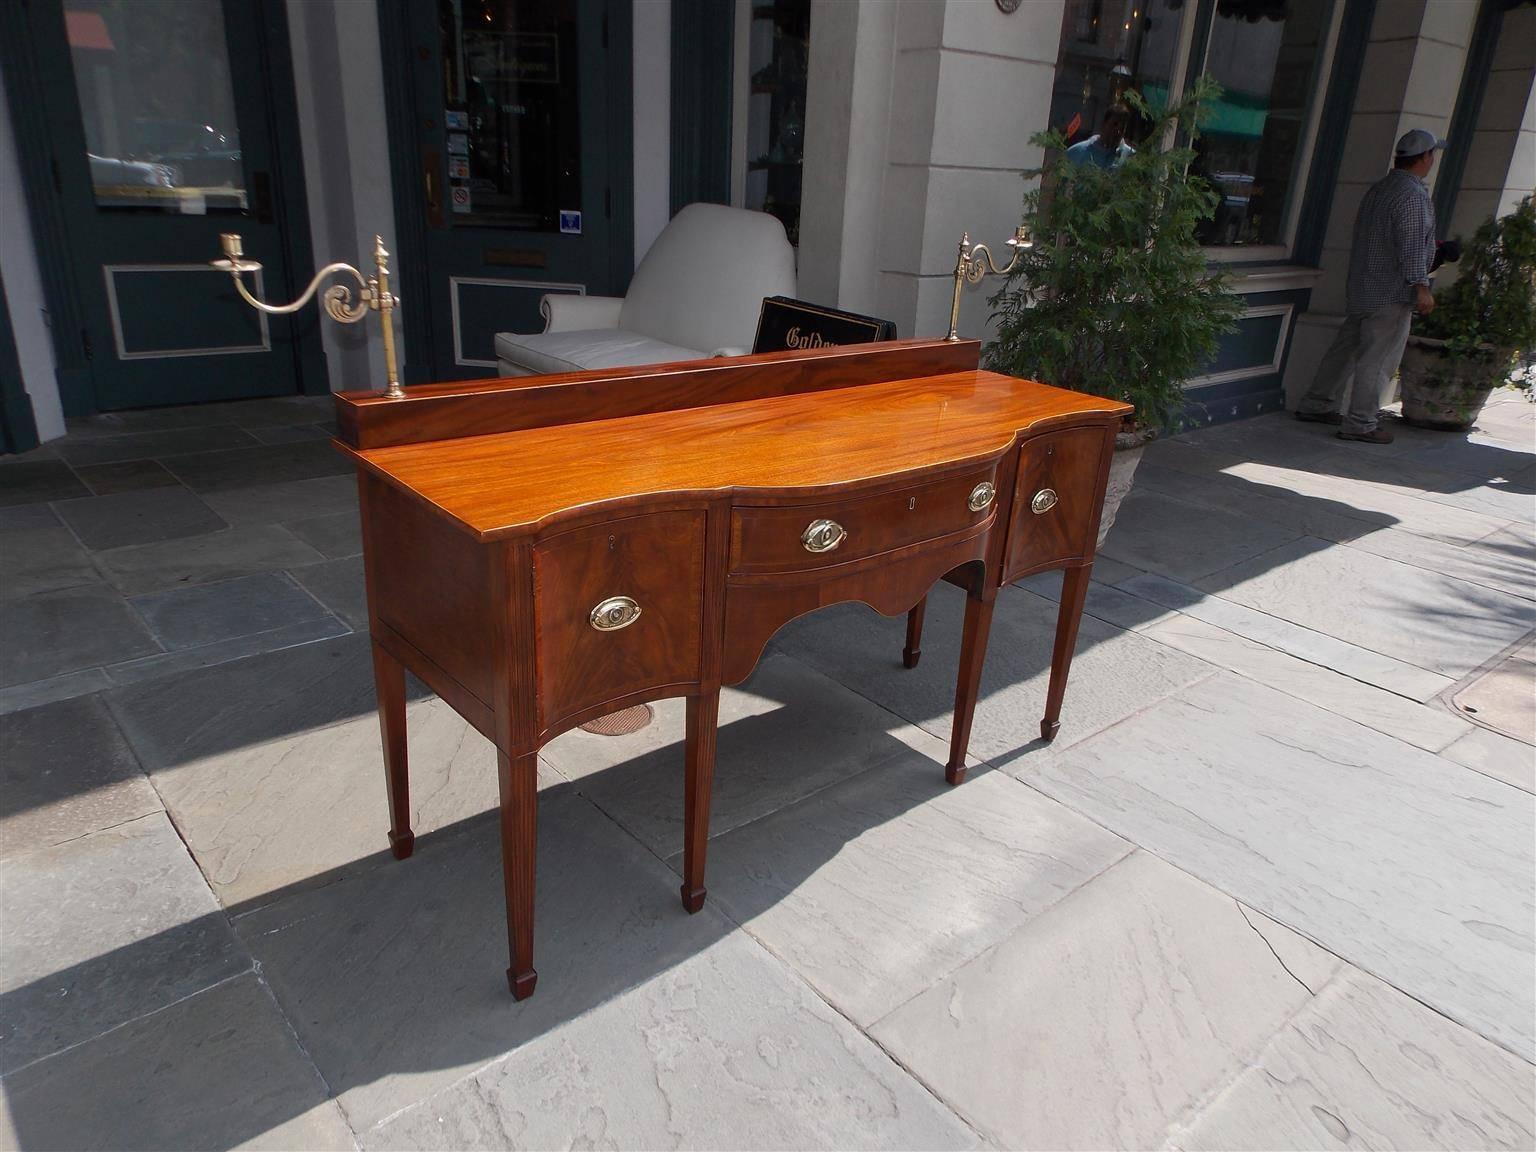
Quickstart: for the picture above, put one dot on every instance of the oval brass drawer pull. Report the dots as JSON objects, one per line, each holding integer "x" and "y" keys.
{"x": 614, "y": 613}
{"x": 982, "y": 496}
{"x": 1044, "y": 501}
{"x": 823, "y": 535}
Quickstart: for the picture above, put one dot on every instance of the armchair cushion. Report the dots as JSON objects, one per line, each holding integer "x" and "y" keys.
{"x": 568, "y": 312}
{"x": 577, "y": 351}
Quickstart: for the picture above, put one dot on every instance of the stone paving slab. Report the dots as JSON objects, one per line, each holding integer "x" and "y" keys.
{"x": 264, "y": 819}
{"x": 1364, "y": 1066}
{"x": 876, "y": 888}
{"x": 1158, "y": 533}
{"x": 1114, "y": 673}
{"x": 201, "y": 713}
{"x": 1304, "y": 643}
{"x": 786, "y": 732}
{"x": 38, "y": 692}
{"x": 43, "y": 560}
{"x": 1498, "y": 756}
{"x": 1403, "y": 864}
{"x": 150, "y": 445}
{"x": 340, "y": 585}
{"x": 1111, "y": 604}
{"x": 65, "y": 771}
{"x": 207, "y": 613}
{"x": 725, "y": 1050}
{"x": 1426, "y": 726}
{"x": 1504, "y": 560}
{"x": 1373, "y": 504}
{"x": 395, "y": 979}
{"x": 101, "y": 931}
{"x": 1171, "y": 470}
{"x": 339, "y": 534}
{"x": 272, "y": 503}
{"x": 1422, "y": 618}
{"x": 26, "y": 517}
{"x": 324, "y": 627}
{"x": 143, "y": 516}
{"x": 53, "y": 633}
{"x": 125, "y": 476}
{"x": 262, "y": 465}
{"x": 219, "y": 1069}
{"x": 1102, "y": 1021}
{"x": 205, "y": 559}
{"x": 35, "y": 481}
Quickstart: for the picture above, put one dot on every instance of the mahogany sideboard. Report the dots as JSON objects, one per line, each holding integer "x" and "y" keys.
{"x": 544, "y": 550}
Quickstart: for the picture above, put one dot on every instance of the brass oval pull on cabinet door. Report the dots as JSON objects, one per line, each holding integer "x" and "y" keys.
{"x": 614, "y": 613}
{"x": 823, "y": 535}
{"x": 1044, "y": 501}
{"x": 982, "y": 496}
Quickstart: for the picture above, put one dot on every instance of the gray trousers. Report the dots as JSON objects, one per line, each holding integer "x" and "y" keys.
{"x": 1365, "y": 352}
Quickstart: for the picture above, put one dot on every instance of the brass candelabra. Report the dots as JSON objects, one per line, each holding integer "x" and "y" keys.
{"x": 373, "y": 295}
{"x": 975, "y": 262}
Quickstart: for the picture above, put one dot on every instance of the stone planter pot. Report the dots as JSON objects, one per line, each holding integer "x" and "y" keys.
{"x": 1129, "y": 447}
{"x": 1446, "y": 392}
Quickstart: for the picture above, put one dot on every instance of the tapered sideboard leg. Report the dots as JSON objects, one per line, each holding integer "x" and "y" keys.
{"x": 699, "y": 756}
{"x": 389, "y": 683}
{"x": 973, "y": 654}
{"x": 519, "y": 779}
{"x": 914, "y": 649}
{"x": 1074, "y": 593}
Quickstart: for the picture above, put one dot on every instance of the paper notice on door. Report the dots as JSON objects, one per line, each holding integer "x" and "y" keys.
{"x": 570, "y": 221}
{"x": 458, "y": 144}
{"x": 459, "y": 120}
{"x": 460, "y": 197}
{"x": 458, "y": 168}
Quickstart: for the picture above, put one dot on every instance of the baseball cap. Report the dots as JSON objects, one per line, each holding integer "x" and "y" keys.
{"x": 1416, "y": 142}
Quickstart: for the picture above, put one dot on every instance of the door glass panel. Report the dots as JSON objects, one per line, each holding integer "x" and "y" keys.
{"x": 1109, "y": 47}
{"x": 511, "y": 113}
{"x": 159, "y": 111}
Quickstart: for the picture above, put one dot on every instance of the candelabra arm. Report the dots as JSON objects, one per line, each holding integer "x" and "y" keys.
{"x": 973, "y": 263}
{"x": 234, "y": 271}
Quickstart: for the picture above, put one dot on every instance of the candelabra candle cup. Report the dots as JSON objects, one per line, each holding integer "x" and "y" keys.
{"x": 373, "y": 294}
{"x": 975, "y": 262}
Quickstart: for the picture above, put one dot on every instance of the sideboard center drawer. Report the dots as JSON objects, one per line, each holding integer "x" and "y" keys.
{"x": 801, "y": 536}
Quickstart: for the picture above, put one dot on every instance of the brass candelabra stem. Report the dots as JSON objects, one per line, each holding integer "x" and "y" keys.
{"x": 975, "y": 261}
{"x": 373, "y": 295}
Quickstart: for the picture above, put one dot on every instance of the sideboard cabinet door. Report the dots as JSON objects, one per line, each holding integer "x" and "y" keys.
{"x": 1053, "y": 504}
{"x": 618, "y": 607}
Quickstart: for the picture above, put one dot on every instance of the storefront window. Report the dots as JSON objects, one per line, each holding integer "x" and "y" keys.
{"x": 1107, "y": 48}
{"x": 1266, "y": 54}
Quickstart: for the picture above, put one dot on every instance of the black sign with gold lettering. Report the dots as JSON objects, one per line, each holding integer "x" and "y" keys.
{"x": 786, "y": 324}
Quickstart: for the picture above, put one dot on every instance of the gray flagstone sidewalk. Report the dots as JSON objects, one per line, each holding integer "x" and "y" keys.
{"x": 1273, "y": 886}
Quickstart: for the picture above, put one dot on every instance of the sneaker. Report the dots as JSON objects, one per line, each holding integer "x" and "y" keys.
{"x": 1321, "y": 417}
{"x": 1374, "y": 436}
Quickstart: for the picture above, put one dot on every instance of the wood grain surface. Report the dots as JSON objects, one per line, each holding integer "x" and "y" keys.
{"x": 505, "y": 484}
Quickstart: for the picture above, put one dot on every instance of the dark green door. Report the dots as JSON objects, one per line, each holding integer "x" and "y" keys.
{"x": 160, "y": 129}
{"x": 519, "y": 148}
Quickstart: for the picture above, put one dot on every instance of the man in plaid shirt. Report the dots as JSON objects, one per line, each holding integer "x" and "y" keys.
{"x": 1389, "y": 266}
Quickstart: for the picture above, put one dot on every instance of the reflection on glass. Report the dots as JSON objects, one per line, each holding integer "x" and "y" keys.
{"x": 1264, "y": 53}
{"x": 1107, "y": 48}
{"x": 779, "y": 49}
{"x": 511, "y": 97}
{"x": 154, "y": 89}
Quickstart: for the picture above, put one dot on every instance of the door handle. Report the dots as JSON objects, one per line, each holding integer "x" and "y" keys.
{"x": 429, "y": 163}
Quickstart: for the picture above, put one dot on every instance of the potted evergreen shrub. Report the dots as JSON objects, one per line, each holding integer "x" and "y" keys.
{"x": 1116, "y": 298}
{"x": 1482, "y": 328}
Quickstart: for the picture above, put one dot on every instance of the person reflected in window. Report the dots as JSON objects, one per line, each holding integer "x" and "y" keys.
{"x": 1107, "y": 148}
{"x": 1389, "y": 265}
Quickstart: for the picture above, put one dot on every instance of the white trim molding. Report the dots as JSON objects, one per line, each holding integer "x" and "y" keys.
{"x": 1283, "y": 310}
{"x": 110, "y": 271}
{"x": 453, "y": 301}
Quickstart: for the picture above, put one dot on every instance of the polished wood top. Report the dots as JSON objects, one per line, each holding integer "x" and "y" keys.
{"x": 510, "y": 482}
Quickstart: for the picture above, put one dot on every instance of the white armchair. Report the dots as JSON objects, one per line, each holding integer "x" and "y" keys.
{"x": 697, "y": 293}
